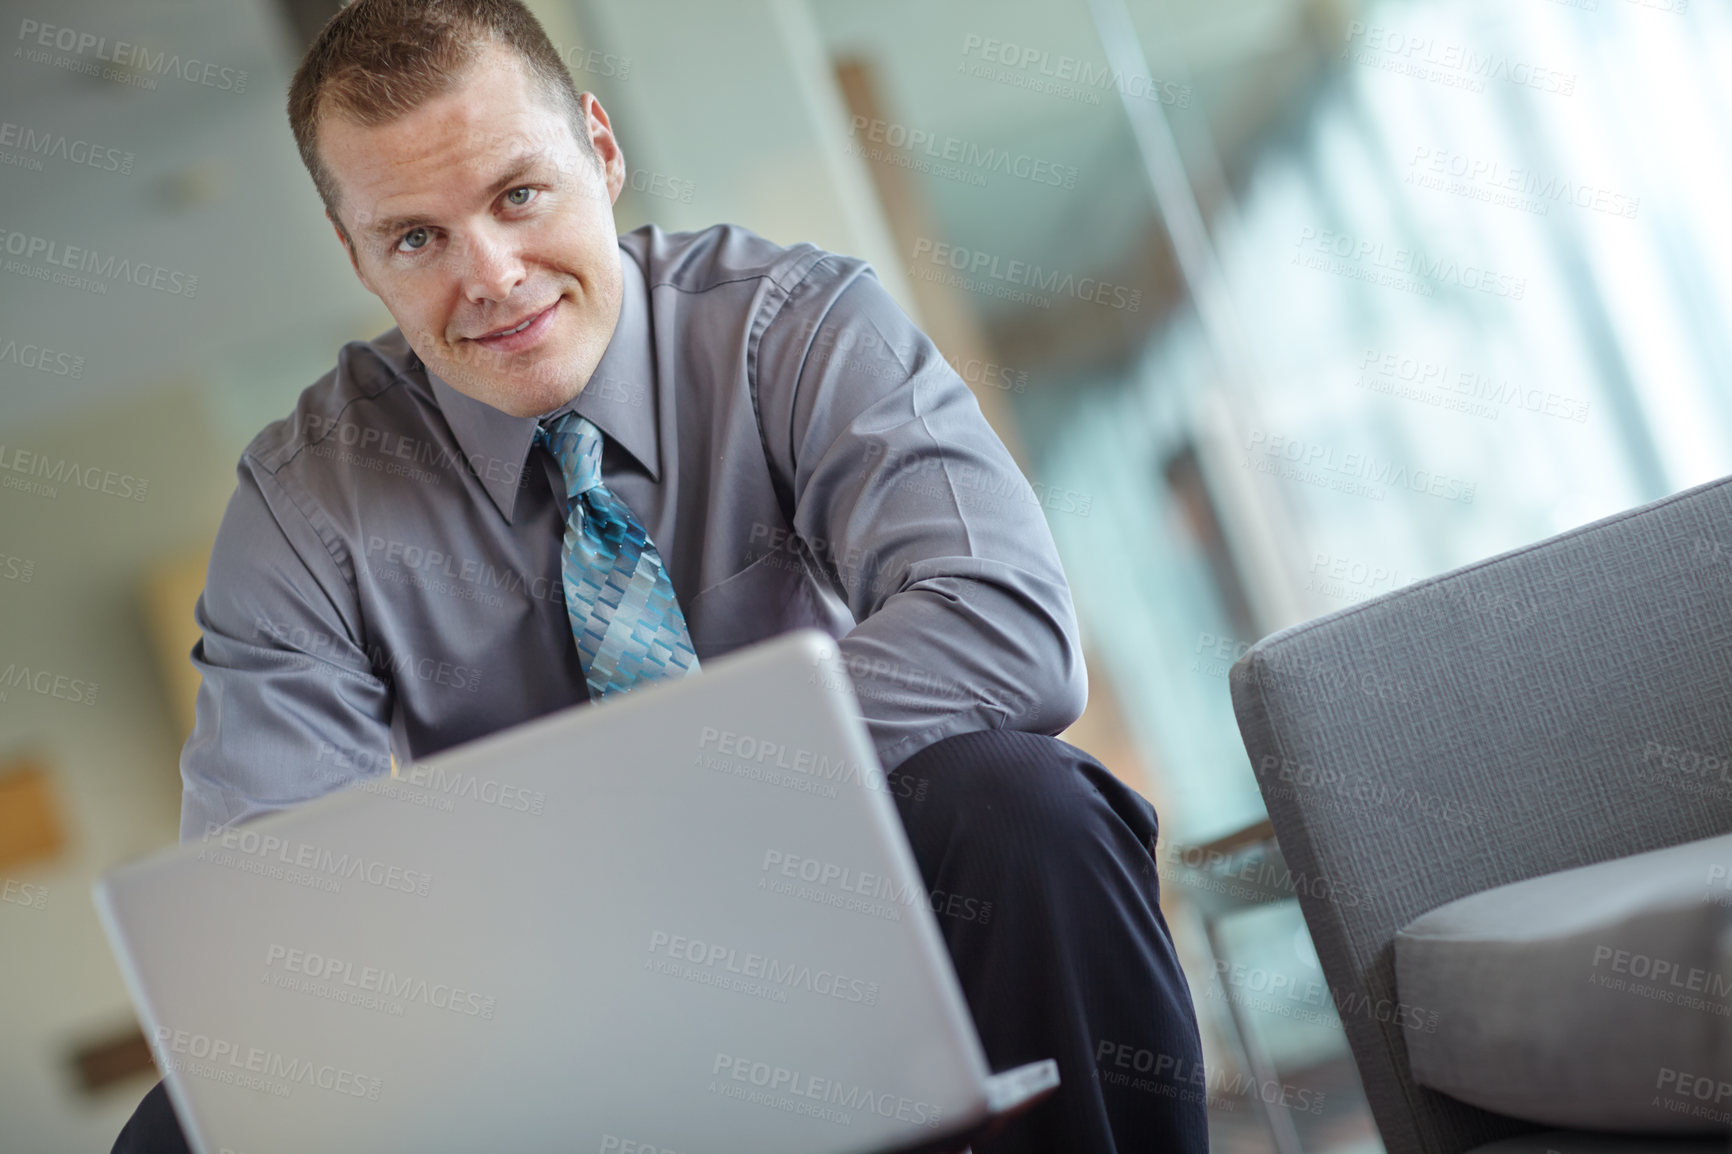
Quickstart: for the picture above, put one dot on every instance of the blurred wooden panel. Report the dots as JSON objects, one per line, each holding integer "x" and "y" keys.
{"x": 171, "y": 589}
{"x": 116, "y": 1058}
{"x": 1101, "y": 732}
{"x": 30, "y": 827}
{"x": 946, "y": 315}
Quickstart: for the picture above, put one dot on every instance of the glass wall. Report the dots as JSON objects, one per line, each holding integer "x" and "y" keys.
{"x": 1293, "y": 302}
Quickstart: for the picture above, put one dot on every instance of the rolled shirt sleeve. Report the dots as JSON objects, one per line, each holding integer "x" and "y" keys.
{"x": 289, "y": 706}
{"x": 911, "y": 505}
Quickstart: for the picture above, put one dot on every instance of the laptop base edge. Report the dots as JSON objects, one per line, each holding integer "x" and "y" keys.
{"x": 1007, "y": 1094}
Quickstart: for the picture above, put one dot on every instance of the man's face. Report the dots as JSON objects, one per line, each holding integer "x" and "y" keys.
{"x": 487, "y": 231}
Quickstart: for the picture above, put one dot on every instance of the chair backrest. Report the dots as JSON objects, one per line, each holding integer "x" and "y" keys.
{"x": 1551, "y": 707}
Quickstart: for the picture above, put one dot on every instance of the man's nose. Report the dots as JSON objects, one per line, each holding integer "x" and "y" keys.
{"x": 493, "y": 266}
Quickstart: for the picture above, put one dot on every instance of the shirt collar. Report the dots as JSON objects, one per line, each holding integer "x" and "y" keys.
{"x": 620, "y": 398}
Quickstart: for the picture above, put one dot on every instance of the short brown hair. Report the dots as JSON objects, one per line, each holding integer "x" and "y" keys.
{"x": 376, "y": 60}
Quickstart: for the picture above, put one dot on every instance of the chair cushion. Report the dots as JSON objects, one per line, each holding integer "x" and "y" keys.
{"x": 1595, "y": 998}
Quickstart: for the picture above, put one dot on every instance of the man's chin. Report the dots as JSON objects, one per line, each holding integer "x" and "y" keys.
{"x": 528, "y": 393}
{"x": 519, "y": 403}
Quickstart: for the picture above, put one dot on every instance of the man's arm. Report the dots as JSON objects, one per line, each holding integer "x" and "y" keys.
{"x": 289, "y": 707}
{"x": 908, "y": 500}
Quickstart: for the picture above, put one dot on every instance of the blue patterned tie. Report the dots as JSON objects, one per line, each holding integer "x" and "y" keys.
{"x": 624, "y": 615}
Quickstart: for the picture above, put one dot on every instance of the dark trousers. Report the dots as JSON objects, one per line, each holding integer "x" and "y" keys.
{"x": 1074, "y": 961}
{"x": 1041, "y": 866}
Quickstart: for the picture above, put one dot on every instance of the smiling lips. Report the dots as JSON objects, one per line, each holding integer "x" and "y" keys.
{"x": 521, "y": 335}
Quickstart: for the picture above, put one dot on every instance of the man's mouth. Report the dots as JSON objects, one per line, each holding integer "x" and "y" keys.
{"x": 524, "y": 333}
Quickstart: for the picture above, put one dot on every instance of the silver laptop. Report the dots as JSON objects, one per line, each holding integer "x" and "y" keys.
{"x": 684, "y": 921}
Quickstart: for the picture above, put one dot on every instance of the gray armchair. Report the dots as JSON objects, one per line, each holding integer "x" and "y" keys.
{"x": 1552, "y": 707}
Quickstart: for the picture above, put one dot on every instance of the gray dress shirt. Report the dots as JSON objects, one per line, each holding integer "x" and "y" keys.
{"x": 386, "y": 580}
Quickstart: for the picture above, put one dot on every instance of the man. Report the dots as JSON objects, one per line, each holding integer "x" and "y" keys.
{"x": 745, "y": 439}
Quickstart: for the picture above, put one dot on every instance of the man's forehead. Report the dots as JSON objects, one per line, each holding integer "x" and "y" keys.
{"x": 409, "y": 199}
{"x": 388, "y": 184}
{"x": 495, "y": 116}
{"x": 488, "y": 127}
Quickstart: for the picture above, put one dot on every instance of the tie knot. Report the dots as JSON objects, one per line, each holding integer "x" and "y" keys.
{"x": 575, "y": 443}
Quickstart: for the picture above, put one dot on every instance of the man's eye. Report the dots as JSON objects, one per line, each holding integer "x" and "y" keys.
{"x": 415, "y": 238}
{"x": 518, "y": 197}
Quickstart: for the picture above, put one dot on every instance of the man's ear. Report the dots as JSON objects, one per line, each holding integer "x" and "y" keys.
{"x": 602, "y": 142}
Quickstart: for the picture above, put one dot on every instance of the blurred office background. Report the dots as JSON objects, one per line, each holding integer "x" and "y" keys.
{"x": 1282, "y": 304}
